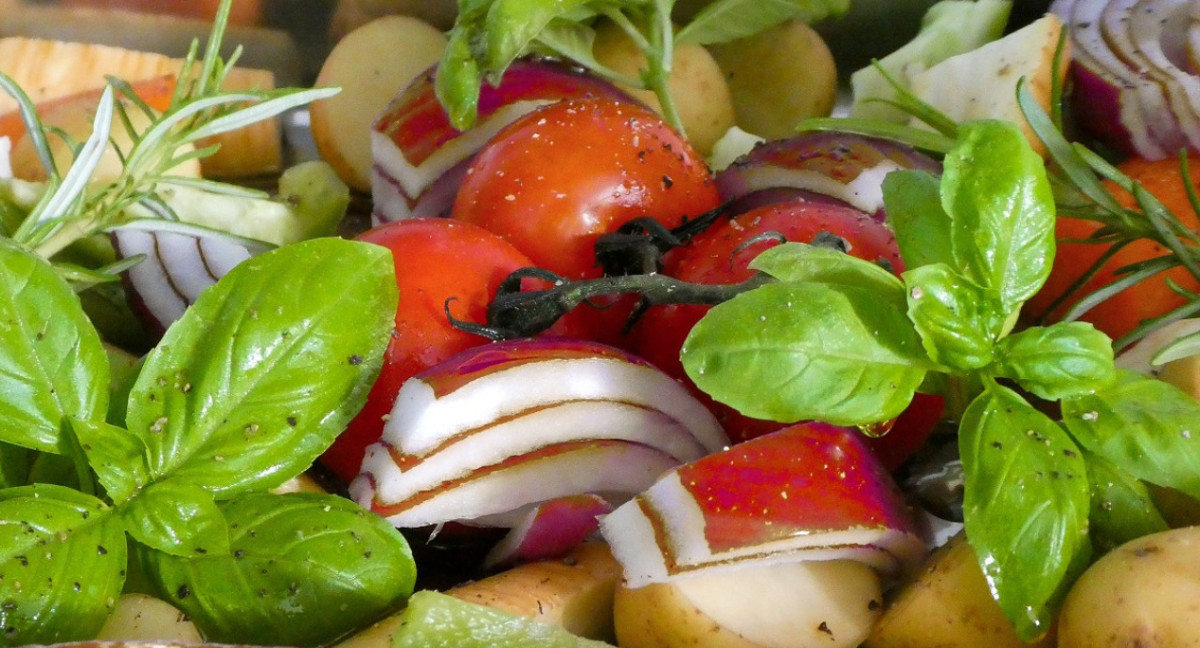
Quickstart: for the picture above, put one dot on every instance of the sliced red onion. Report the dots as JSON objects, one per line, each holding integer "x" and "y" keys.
{"x": 179, "y": 263}
{"x": 419, "y": 158}
{"x": 499, "y": 429}
{"x": 549, "y": 530}
{"x": 811, "y": 491}
{"x": 1118, "y": 102}
{"x": 847, "y": 167}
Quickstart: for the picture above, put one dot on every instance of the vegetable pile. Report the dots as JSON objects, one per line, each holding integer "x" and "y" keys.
{"x": 666, "y": 400}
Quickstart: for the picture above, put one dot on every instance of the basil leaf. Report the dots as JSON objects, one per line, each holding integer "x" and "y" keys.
{"x": 14, "y": 465}
{"x": 513, "y": 24}
{"x": 116, "y": 456}
{"x": 834, "y": 353}
{"x": 1025, "y": 505}
{"x": 1122, "y": 508}
{"x": 304, "y": 570}
{"x": 1002, "y": 210}
{"x": 1058, "y": 361}
{"x": 796, "y": 262}
{"x": 913, "y": 202}
{"x": 62, "y": 564}
{"x": 267, "y": 367}
{"x": 177, "y": 518}
{"x": 1144, "y": 426}
{"x": 52, "y": 363}
{"x": 957, "y": 319}
{"x": 727, "y": 20}
{"x": 458, "y": 80}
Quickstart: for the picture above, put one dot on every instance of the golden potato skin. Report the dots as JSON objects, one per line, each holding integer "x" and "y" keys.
{"x": 140, "y": 617}
{"x": 778, "y": 77}
{"x": 697, "y": 85}
{"x": 947, "y": 605}
{"x": 1144, "y": 593}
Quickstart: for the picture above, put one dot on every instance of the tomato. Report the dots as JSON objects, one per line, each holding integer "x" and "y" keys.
{"x": 556, "y": 179}
{"x": 1150, "y": 298}
{"x": 722, "y": 254}
{"x": 436, "y": 260}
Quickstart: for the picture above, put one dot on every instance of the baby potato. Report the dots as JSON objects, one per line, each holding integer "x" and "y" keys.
{"x": 778, "y": 77}
{"x": 697, "y": 85}
{"x": 140, "y": 617}
{"x": 1144, "y": 593}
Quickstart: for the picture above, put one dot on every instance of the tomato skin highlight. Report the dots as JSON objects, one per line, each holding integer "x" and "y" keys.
{"x": 436, "y": 260}
{"x": 1150, "y": 298}
{"x": 557, "y": 178}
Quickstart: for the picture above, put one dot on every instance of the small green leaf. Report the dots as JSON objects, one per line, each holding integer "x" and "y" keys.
{"x": 117, "y": 456}
{"x": 304, "y": 570}
{"x": 727, "y": 20}
{"x": 52, "y": 364}
{"x": 62, "y": 565}
{"x": 957, "y": 319}
{"x": 513, "y": 24}
{"x": 267, "y": 367}
{"x": 795, "y": 262}
{"x": 834, "y": 353}
{"x": 1058, "y": 361}
{"x": 177, "y": 518}
{"x": 1122, "y": 508}
{"x": 913, "y": 202}
{"x": 459, "y": 80}
{"x": 1001, "y": 206}
{"x": 1026, "y": 502}
{"x": 1144, "y": 426}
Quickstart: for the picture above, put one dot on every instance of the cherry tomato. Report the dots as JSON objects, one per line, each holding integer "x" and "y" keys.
{"x": 436, "y": 260}
{"x": 722, "y": 254}
{"x": 556, "y": 179}
{"x": 1124, "y": 311}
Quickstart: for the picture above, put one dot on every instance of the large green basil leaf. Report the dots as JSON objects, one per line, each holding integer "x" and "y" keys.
{"x": 62, "y": 564}
{"x": 52, "y": 364}
{"x": 795, "y": 351}
{"x": 913, "y": 202}
{"x": 795, "y": 262}
{"x": 304, "y": 570}
{"x": 958, "y": 320}
{"x": 1001, "y": 207}
{"x": 1122, "y": 507}
{"x": 1058, "y": 361}
{"x": 267, "y": 367}
{"x": 1025, "y": 505}
{"x": 177, "y": 518}
{"x": 726, "y": 20}
{"x": 117, "y": 456}
{"x": 1144, "y": 426}
{"x": 512, "y": 25}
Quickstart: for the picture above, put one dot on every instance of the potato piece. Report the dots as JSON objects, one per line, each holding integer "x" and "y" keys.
{"x": 254, "y": 149}
{"x": 697, "y": 85}
{"x": 799, "y": 604}
{"x": 1184, "y": 373}
{"x": 371, "y": 65}
{"x": 575, "y": 592}
{"x": 140, "y": 617}
{"x": 1144, "y": 593}
{"x": 778, "y": 78}
{"x": 948, "y": 604}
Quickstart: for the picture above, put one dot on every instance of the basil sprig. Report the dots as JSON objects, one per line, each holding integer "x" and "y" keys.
{"x": 836, "y": 338}
{"x": 242, "y": 394}
{"x": 488, "y": 35}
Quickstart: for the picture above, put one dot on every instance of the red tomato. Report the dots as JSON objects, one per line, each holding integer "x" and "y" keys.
{"x": 435, "y": 259}
{"x": 722, "y": 254}
{"x": 556, "y": 179}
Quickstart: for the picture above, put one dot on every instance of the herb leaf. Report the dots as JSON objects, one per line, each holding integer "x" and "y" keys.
{"x": 1001, "y": 206}
{"x": 727, "y": 20}
{"x": 178, "y": 518}
{"x": 829, "y": 352}
{"x": 1144, "y": 426}
{"x": 63, "y": 557}
{"x": 958, "y": 320}
{"x": 291, "y": 555}
{"x": 913, "y": 202}
{"x": 1026, "y": 502}
{"x": 117, "y": 457}
{"x": 52, "y": 364}
{"x": 795, "y": 262}
{"x": 1058, "y": 361}
{"x": 267, "y": 367}
{"x": 1122, "y": 508}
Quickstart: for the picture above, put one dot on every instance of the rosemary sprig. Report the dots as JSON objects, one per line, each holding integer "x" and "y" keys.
{"x": 73, "y": 208}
